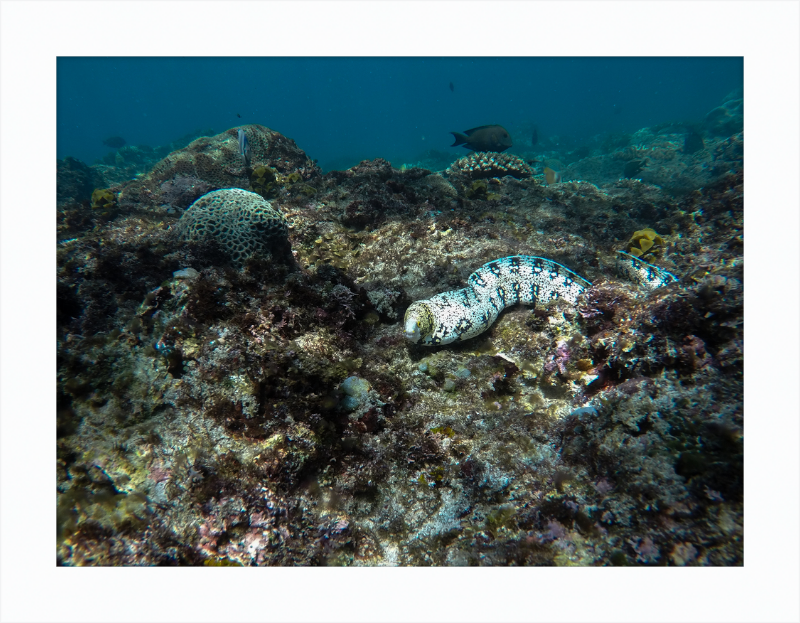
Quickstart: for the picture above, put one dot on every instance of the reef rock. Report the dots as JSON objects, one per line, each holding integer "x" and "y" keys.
{"x": 727, "y": 119}
{"x": 216, "y": 162}
{"x": 75, "y": 180}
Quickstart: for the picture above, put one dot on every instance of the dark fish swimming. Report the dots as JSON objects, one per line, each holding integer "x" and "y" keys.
{"x": 484, "y": 138}
{"x": 452, "y": 88}
{"x": 693, "y": 142}
{"x": 535, "y": 137}
{"x": 238, "y": 115}
{"x": 633, "y": 168}
{"x": 244, "y": 147}
{"x": 114, "y": 141}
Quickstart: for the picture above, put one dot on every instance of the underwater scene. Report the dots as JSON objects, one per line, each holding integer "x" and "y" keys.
{"x": 400, "y": 311}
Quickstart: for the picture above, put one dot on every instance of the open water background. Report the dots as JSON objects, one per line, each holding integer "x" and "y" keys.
{"x": 341, "y": 110}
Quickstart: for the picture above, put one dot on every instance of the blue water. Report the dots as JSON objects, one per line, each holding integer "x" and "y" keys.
{"x": 343, "y": 110}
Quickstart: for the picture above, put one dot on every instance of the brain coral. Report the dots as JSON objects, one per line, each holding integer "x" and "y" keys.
{"x": 243, "y": 223}
{"x": 483, "y": 165}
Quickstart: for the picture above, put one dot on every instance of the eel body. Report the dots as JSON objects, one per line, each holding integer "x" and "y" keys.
{"x": 462, "y": 314}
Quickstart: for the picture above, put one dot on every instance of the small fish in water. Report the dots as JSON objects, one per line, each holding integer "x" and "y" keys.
{"x": 535, "y": 137}
{"x": 693, "y": 142}
{"x": 552, "y": 177}
{"x": 452, "y": 88}
{"x": 484, "y": 138}
{"x": 114, "y": 141}
{"x": 244, "y": 147}
{"x": 633, "y": 168}
{"x": 238, "y": 115}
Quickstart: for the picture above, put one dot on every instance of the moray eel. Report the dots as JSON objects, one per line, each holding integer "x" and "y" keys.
{"x": 462, "y": 314}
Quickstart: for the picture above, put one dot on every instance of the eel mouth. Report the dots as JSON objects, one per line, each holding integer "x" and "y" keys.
{"x": 412, "y": 330}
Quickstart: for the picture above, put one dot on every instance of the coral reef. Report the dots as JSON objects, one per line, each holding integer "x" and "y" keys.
{"x": 677, "y": 157}
{"x": 216, "y": 410}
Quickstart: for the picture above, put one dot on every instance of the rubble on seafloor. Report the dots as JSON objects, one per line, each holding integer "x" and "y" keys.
{"x": 272, "y": 413}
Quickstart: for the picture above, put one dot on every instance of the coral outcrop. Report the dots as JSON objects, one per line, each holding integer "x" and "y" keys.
{"x": 658, "y": 158}
{"x": 215, "y": 161}
{"x": 726, "y": 119}
{"x": 75, "y": 180}
{"x": 180, "y": 192}
{"x": 240, "y": 222}
{"x": 482, "y": 165}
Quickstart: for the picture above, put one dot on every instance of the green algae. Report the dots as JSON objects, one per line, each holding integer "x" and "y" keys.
{"x": 645, "y": 243}
{"x": 444, "y": 430}
{"x": 478, "y": 190}
{"x": 499, "y": 519}
{"x": 103, "y": 199}
{"x": 221, "y": 562}
{"x": 263, "y": 181}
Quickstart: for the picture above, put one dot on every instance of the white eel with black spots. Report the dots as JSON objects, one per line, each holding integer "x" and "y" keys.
{"x": 462, "y": 314}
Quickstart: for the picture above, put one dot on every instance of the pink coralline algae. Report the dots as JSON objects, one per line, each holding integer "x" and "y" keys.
{"x": 602, "y": 486}
{"x": 683, "y": 554}
{"x": 558, "y": 360}
{"x": 555, "y": 531}
{"x": 181, "y": 191}
{"x": 646, "y": 550}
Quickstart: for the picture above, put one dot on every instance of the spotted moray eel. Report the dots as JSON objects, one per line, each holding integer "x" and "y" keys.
{"x": 462, "y": 314}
